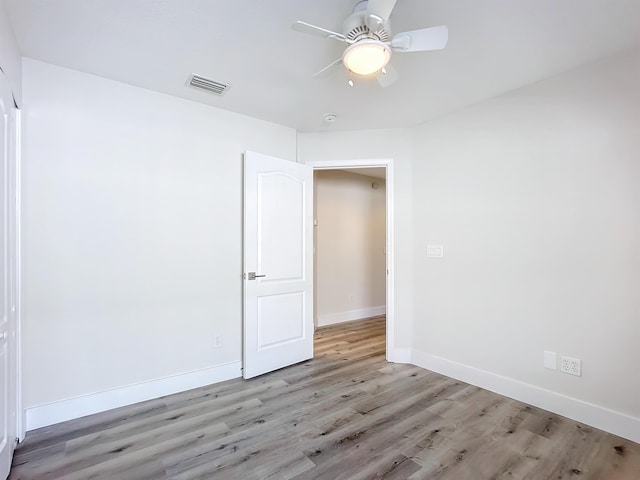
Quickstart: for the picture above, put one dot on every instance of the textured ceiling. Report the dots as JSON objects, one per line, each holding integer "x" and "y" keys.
{"x": 494, "y": 46}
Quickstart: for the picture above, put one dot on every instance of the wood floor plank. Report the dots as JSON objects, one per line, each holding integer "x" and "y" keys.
{"x": 165, "y": 424}
{"x": 55, "y": 434}
{"x": 345, "y": 414}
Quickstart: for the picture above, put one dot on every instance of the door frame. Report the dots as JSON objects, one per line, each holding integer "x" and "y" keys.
{"x": 387, "y": 164}
{"x": 21, "y": 424}
{"x": 14, "y": 185}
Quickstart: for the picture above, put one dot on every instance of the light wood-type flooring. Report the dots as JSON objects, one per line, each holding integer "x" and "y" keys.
{"x": 346, "y": 414}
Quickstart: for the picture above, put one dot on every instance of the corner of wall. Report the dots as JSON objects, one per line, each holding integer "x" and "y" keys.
{"x": 599, "y": 417}
{"x": 10, "y": 56}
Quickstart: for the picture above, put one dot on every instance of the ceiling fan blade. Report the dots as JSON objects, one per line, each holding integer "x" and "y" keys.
{"x": 329, "y": 69}
{"x": 434, "y": 38}
{"x": 378, "y": 12}
{"x": 389, "y": 76}
{"x": 305, "y": 27}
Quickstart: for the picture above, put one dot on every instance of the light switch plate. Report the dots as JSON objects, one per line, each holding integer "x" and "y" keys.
{"x": 550, "y": 360}
{"x": 435, "y": 251}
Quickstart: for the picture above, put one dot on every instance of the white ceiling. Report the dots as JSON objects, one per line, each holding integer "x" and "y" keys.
{"x": 375, "y": 172}
{"x": 494, "y": 46}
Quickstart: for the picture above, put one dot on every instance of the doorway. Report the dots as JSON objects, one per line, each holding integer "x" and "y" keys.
{"x": 367, "y": 167}
{"x": 271, "y": 339}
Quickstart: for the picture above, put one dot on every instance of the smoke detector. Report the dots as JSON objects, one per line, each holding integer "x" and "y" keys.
{"x": 329, "y": 117}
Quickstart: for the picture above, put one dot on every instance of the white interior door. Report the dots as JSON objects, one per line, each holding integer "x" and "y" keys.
{"x": 8, "y": 283}
{"x": 278, "y": 263}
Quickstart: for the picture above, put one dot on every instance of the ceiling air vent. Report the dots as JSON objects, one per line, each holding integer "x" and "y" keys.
{"x": 207, "y": 84}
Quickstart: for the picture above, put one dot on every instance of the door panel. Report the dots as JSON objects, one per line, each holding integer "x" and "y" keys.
{"x": 279, "y": 319}
{"x": 281, "y": 226}
{"x": 278, "y": 248}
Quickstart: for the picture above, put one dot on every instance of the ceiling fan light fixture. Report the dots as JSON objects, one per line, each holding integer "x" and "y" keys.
{"x": 366, "y": 56}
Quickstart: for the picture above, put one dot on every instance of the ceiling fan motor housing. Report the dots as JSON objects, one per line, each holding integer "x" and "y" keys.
{"x": 355, "y": 28}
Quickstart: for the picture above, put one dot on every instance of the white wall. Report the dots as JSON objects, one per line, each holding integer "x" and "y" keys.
{"x": 132, "y": 235}
{"x": 395, "y": 144}
{"x": 10, "y": 58}
{"x": 350, "y": 242}
{"x": 535, "y": 196}
{"x": 132, "y": 229}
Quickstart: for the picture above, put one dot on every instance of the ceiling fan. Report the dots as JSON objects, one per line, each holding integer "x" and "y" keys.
{"x": 367, "y": 33}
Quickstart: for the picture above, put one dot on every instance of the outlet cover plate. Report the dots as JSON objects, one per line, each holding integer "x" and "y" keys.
{"x": 570, "y": 365}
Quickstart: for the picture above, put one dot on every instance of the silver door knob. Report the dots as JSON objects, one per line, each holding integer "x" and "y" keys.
{"x": 253, "y": 276}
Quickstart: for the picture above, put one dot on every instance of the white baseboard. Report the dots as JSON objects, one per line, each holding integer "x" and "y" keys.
{"x": 49, "y": 414}
{"x": 399, "y": 355}
{"x": 599, "y": 417}
{"x": 332, "y": 318}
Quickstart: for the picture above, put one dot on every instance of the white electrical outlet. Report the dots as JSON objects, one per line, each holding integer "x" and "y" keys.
{"x": 572, "y": 366}
{"x": 217, "y": 340}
